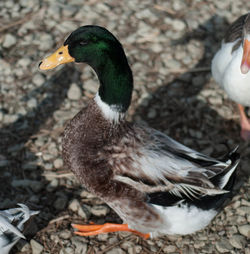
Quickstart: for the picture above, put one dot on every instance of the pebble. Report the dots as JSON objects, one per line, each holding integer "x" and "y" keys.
{"x": 23, "y": 245}
{"x": 178, "y": 25}
{"x": 52, "y": 185}
{"x": 38, "y": 79}
{"x": 45, "y": 42}
{"x": 36, "y": 247}
{"x": 9, "y": 41}
{"x": 81, "y": 248}
{"x": 100, "y": 210}
{"x": 32, "y": 103}
{"x": 4, "y": 163}
{"x": 169, "y": 249}
{"x": 58, "y": 163}
{"x": 24, "y": 62}
{"x": 223, "y": 246}
{"x": 90, "y": 85}
{"x": 244, "y": 210}
{"x": 115, "y": 251}
{"x": 238, "y": 241}
{"x": 60, "y": 203}
{"x": 152, "y": 113}
{"x": 74, "y": 92}
{"x": 65, "y": 234}
{"x": 244, "y": 230}
{"x": 67, "y": 250}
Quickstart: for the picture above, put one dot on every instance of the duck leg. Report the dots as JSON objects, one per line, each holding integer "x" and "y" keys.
{"x": 93, "y": 229}
{"x": 245, "y": 124}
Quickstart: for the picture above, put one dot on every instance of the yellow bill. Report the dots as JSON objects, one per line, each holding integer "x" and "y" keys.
{"x": 61, "y": 56}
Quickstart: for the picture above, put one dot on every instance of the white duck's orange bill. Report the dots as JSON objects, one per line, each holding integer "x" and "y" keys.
{"x": 245, "y": 63}
{"x": 61, "y": 56}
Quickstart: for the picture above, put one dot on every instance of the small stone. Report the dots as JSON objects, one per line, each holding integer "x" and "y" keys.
{"x": 45, "y": 42}
{"x": 24, "y": 62}
{"x": 52, "y": 185}
{"x": 169, "y": 248}
{"x": 243, "y": 210}
{"x": 115, "y": 251}
{"x": 152, "y": 113}
{"x": 38, "y": 79}
{"x": 69, "y": 10}
{"x": 223, "y": 246}
{"x": 9, "y": 41}
{"x": 74, "y": 92}
{"x": 238, "y": 241}
{"x": 100, "y": 210}
{"x": 215, "y": 100}
{"x": 178, "y": 25}
{"x": 82, "y": 210}
{"x": 247, "y": 251}
{"x": 127, "y": 244}
{"x": 81, "y": 248}
{"x": 32, "y": 103}
{"x": 244, "y": 230}
{"x": 65, "y": 235}
{"x": 4, "y": 163}
{"x": 36, "y": 247}
{"x": 102, "y": 237}
{"x": 58, "y": 163}
{"x": 67, "y": 250}
{"x": 90, "y": 86}
{"x": 61, "y": 203}
{"x": 23, "y": 246}
{"x": 74, "y": 205}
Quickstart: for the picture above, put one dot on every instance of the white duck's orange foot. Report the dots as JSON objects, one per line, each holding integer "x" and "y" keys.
{"x": 92, "y": 229}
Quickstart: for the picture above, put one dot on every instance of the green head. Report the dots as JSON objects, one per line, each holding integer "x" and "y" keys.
{"x": 97, "y": 47}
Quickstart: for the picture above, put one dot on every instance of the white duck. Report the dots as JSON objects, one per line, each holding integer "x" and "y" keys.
{"x": 10, "y": 234}
{"x": 231, "y": 65}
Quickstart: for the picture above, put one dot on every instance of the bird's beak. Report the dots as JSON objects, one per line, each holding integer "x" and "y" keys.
{"x": 245, "y": 63}
{"x": 61, "y": 56}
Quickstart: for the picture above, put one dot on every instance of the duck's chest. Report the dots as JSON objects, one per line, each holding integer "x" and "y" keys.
{"x": 93, "y": 146}
{"x": 236, "y": 84}
{"x": 226, "y": 71}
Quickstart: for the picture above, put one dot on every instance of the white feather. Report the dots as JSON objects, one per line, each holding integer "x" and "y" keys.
{"x": 182, "y": 219}
{"x": 109, "y": 112}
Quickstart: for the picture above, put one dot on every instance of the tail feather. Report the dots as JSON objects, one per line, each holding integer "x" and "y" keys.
{"x": 223, "y": 179}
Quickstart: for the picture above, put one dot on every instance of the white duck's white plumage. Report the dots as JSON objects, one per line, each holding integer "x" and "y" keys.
{"x": 10, "y": 234}
{"x": 226, "y": 72}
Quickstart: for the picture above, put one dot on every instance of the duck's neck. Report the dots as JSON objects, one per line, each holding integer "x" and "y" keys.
{"x": 116, "y": 85}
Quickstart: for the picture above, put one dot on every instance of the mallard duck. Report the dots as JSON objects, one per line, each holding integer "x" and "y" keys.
{"x": 155, "y": 184}
{"x": 231, "y": 65}
{"x": 11, "y": 224}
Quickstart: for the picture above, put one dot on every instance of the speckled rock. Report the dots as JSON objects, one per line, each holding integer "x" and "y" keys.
{"x": 36, "y": 247}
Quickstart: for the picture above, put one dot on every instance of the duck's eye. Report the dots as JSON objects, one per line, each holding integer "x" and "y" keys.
{"x": 60, "y": 53}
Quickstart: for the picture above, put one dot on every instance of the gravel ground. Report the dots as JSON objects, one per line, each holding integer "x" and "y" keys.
{"x": 169, "y": 45}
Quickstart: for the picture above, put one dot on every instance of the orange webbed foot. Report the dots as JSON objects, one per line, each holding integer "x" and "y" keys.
{"x": 93, "y": 229}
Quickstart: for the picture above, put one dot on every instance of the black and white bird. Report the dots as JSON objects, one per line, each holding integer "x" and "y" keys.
{"x": 11, "y": 225}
